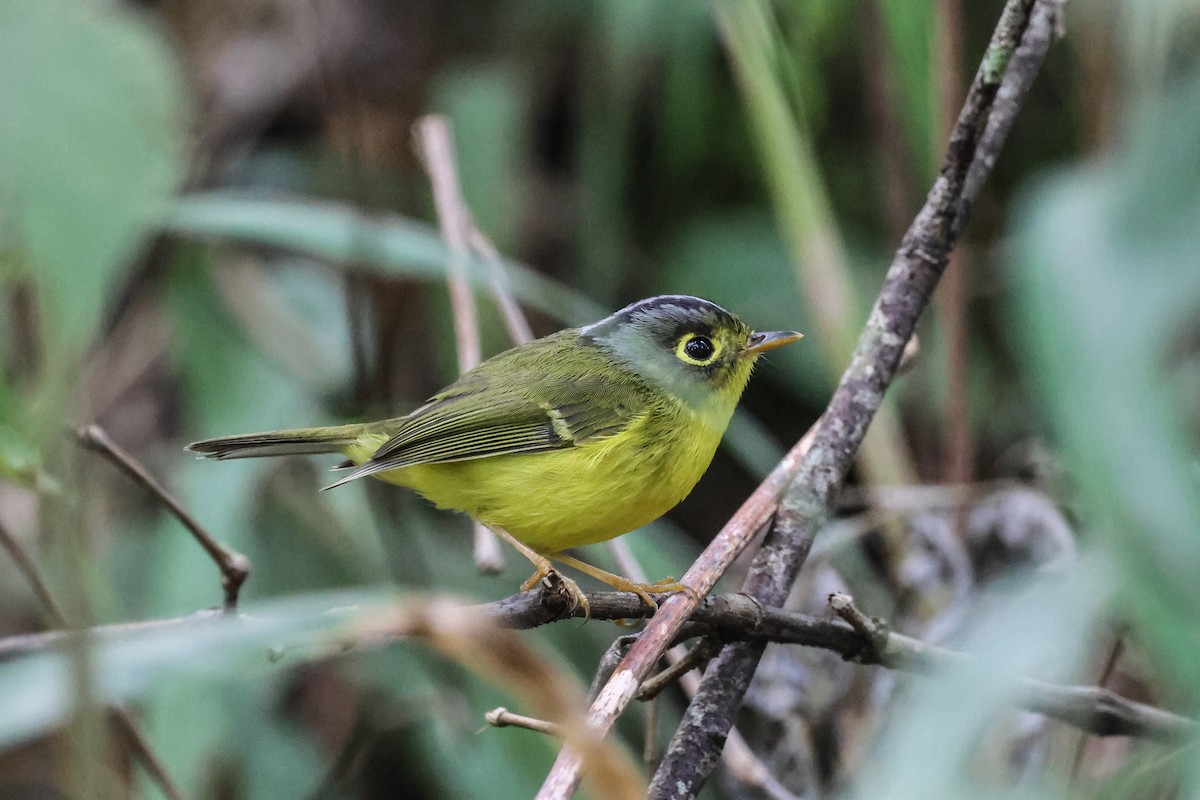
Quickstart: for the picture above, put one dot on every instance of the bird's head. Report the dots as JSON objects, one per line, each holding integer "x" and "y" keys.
{"x": 686, "y": 345}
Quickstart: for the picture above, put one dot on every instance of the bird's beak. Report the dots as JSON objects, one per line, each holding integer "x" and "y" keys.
{"x": 762, "y": 342}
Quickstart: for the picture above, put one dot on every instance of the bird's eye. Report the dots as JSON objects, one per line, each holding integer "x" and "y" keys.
{"x": 697, "y": 350}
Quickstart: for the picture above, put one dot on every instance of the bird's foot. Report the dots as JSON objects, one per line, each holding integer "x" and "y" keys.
{"x": 560, "y": 583}
{"x": 646, "y": 590}
{"x": 544, "y": 572}
{"x": 670, "y": 585}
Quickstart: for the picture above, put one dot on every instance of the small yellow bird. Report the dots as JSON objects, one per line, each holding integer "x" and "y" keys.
{"x": 568, "y": 440}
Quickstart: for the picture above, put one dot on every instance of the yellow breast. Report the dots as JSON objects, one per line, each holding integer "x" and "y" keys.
{"x": 597, "y": 490}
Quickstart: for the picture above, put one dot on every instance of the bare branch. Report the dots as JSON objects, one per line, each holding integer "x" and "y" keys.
{"x": 735, "y": 618}
{"x": 692, "y": 659}
{"x": 434, "y": 143}
{"x": 234, "y": 566}
{"x": 119, "y": 718}
{"x": 30, "y": 571}
{"x": 502, "y": 718}
{"x": 1009, "y": 66}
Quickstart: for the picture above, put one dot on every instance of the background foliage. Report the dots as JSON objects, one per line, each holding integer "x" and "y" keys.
{"x": 212, "y": 221}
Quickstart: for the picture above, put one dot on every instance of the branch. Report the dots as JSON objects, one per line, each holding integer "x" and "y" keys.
{"x": 234, "y": 566}
{"x": 1012, "y": 60}
{"x": 501, "y": 717}
{"x": 434, "y": 144}
{"x": 738, "y": 618}
{"x": 29, "y": 570}
{"x": 739, "y": 758}
{"x": 119, "y": 718}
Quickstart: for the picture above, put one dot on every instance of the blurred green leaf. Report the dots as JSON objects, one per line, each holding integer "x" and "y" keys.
{"x": 488, "y": 109}
{"x": 127, "y": 664}
{"x": 797, "y": 186}
{"x": 912, "y": 37}
{"x": 1038, "y": 626}
{"x": 711, "y": 258}
{"x": 385, "y": 244}
{"x": 1110, "y": 287}
{"x": 89, "y": 148}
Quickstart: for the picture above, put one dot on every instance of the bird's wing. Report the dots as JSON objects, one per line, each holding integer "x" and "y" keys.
{"x": 527, "y": 407}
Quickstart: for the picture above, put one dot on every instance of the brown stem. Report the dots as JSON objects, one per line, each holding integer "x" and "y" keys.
{"x": 234, "y": 566}
{"x": 695, "y": 658}
{"x": 434, "y": 143}
{"x": 737, "y": 618}
{"x": 1013, "y": 59}
{"x": 502, "y": 718}
{"x": 30, "y": 571}
{"x": 119, "y": 718}
{"x": 1115, "y": 650}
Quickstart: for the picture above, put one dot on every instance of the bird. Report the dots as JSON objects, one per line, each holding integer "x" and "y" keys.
{"x": 564, "y": 441}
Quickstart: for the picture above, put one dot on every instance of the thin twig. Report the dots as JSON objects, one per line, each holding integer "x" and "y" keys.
{"x": 143, "y": 752}
{"x": 434, "y": 143}
{"x": 502, "y": 718}
{"x": 514, "y": 318}
{"x": 1110, "y": 665}
{"x": 692, "y": 659}
{"x": 234, "y": 566}
{"x": 29, "y": 643}
{"x": 30, "y": 571}
{"x": 1013, "y": 59}
{"x": 872, "y": 633}
{"x": 119, "y": 718}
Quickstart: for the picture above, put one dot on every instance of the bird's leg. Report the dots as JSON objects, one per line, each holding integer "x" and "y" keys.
{"x": 621, "y": 584}
{"x": 542, "y": 569}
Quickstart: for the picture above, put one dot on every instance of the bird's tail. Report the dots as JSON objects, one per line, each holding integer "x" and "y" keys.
{"x": 301, "y": 441}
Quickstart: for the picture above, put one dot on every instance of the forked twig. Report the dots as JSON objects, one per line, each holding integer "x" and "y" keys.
{"x": 434, "y": 143}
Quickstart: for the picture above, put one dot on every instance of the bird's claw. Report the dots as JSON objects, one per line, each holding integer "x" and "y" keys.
{"x": 561, "y": 585}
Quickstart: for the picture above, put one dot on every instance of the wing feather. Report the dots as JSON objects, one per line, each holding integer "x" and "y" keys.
{"x": 518, "y": 404}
